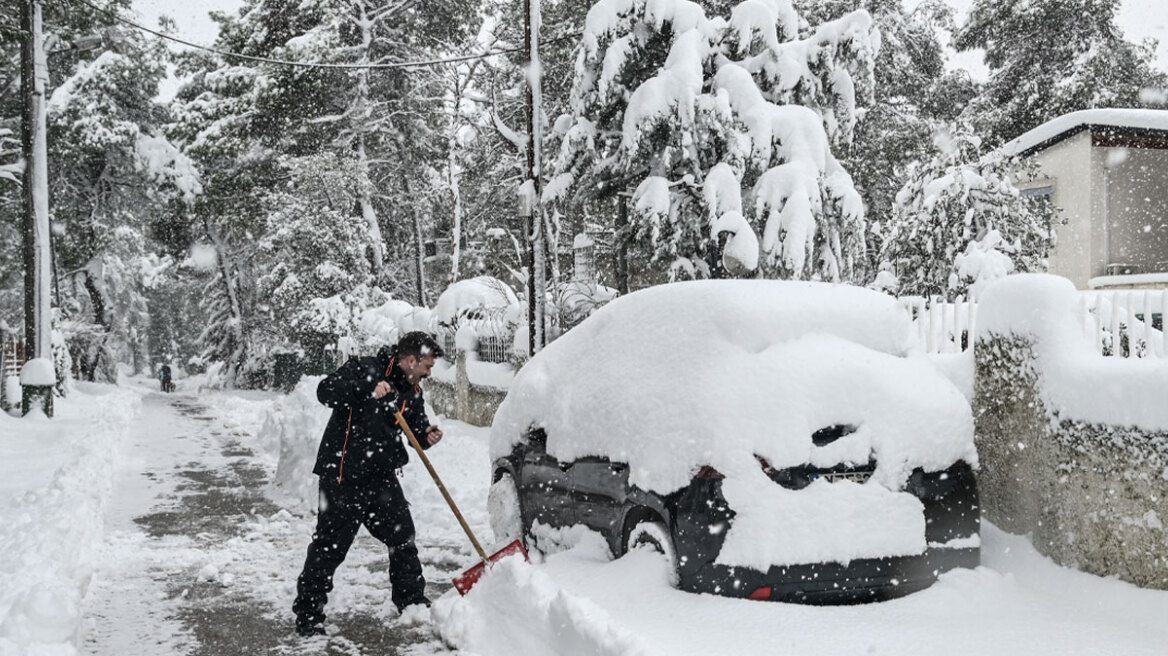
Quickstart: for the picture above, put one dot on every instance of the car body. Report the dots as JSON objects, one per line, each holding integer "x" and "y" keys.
{"x": 872, "y": 493}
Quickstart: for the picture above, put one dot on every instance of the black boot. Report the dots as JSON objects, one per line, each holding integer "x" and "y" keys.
{"x": 308, "y": 629}
{"x": 423, "y": 601}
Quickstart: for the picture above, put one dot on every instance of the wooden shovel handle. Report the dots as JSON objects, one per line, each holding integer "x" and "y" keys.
{"x": 401, "y": 421}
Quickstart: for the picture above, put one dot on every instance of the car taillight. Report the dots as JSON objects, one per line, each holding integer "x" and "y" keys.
{"x": 708, "y": 473}
{"x": 761, "y": 594}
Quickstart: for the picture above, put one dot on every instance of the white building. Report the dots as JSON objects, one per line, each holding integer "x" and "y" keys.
{"x": 1107, "y": 169}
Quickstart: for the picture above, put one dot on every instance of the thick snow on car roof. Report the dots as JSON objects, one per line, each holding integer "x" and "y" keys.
{"x": 676, "y": 377}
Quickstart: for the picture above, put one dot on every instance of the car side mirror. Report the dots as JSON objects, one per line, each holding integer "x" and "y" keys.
{"x": 537, "y": 439}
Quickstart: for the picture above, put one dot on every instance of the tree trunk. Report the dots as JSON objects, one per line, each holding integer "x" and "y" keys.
{"x": 238, "y": 348}
{"x": 93, "y": 357}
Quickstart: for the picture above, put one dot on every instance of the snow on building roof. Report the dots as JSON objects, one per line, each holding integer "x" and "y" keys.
{"x": 1064, "y": 126}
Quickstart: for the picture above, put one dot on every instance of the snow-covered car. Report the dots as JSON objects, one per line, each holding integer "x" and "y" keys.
{"x": 772, "y": 440}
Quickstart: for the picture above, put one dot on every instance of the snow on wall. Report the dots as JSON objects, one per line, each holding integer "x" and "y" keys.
{"x": 291, "y": 431}
{"x": 1076, "y": 382}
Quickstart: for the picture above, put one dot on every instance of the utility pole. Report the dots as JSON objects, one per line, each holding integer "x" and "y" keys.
{"x": 532, "y": 208}
{"x": 37, "y": 246}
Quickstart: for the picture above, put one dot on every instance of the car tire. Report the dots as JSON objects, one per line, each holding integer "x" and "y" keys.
{"x": 503, "y": 507}
{"x": 654, "y": 535}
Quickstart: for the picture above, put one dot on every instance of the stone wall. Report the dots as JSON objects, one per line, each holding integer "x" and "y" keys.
{"x": 463, "y": 400}
{"x": 1090, "y": 496}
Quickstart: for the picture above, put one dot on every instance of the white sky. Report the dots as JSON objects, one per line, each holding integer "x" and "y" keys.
{"x": 1139, "y": 19}
{"x": 194, "y": 23}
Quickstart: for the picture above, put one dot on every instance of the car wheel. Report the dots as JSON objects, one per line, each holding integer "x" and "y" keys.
{"x": 655, "y": 536}
{"x": 503, "y": 506}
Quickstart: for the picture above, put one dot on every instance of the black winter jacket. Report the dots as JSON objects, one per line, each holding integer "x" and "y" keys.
{"x": 362, "y": 442}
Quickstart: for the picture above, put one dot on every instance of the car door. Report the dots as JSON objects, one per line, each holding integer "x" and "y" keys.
{"x": 599, "y": 490}
{"x": 543, "y": 485}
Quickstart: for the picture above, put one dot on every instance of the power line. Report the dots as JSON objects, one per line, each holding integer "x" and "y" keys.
{"x": 287, "y": 62}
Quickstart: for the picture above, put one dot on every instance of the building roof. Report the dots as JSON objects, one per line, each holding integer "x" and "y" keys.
{"x": 1053, "y": 131}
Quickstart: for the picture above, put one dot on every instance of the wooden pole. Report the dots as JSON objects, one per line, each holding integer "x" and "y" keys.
{"x": 438, "y": 481}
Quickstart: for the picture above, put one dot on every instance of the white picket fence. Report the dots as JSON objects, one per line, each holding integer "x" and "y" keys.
{"x": 1126, "y": 323}
{"x": 942, "y": 327}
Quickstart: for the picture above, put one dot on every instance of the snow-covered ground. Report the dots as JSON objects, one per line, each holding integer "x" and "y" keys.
{"x": 67, "y": 540}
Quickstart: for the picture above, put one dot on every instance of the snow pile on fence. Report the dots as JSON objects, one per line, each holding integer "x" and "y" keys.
{"x": 1076, "y": 382}
{"x": 55, "y": 480}
{"x": 477, "y": 314}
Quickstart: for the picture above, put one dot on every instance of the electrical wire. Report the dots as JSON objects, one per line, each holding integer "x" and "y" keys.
{"x": 287, "y": 62}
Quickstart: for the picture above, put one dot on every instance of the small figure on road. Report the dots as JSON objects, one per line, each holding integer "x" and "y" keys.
{"x": 164, "y": 378}
{"x": 360, "y": 453}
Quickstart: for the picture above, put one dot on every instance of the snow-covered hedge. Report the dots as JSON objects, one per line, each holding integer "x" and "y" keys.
{"x": 1076, "y": 382}
{"x": 1073, "y": 445}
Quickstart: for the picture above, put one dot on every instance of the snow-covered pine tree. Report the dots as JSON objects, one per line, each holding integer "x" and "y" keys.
{"x": 959, "y": 222}
{"x": 113, "y": 175}
{"x": 1049, "y": 58}
{"x": 217, "y": 122}
{"x": 716, "y": 125}
{"x": 315, "y": 273}
{"x": 913, "y": 99}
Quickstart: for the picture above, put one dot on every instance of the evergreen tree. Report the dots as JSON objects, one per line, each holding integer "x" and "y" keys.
{"x": 960, "y": 221}
{"x": 708, "y": 122}
{"x": 1051, "y": 57}
{"x": 258, "y": 128}
{"x": 312, "y": 252}
{"x": 912, "y": 101}
{"x": 112, "y": 173}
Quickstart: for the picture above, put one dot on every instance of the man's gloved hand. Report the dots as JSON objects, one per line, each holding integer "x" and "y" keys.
{"x": 383, "y": 388}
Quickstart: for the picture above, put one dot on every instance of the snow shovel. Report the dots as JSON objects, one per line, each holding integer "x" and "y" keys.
{"x": 465, "y": 581}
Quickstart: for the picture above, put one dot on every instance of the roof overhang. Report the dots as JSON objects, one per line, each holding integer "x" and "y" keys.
{"x": 1127, "y": 128}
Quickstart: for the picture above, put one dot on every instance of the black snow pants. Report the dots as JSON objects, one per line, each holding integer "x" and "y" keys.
{"x": 383, "y": 509}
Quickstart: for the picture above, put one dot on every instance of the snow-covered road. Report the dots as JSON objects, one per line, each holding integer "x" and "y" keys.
{"x": 197, "y": 560}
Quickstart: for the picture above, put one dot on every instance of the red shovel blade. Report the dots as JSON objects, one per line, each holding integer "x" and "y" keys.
{"x": 465, "y": 581}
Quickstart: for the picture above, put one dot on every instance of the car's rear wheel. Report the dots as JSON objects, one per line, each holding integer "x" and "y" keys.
{"x": 503, "y": 507}
{"x": 655, "y": 536}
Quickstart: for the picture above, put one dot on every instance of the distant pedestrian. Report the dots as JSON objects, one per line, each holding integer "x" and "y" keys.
{"x": 357, "y": 463}
{"x": 164, "y": 378}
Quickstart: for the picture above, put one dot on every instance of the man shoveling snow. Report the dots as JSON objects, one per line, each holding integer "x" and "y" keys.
{"x": 359, "y": 455}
